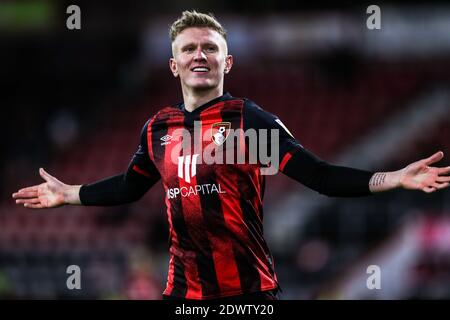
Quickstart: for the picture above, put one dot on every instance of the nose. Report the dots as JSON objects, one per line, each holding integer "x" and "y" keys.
{"x": 199, "y": 55}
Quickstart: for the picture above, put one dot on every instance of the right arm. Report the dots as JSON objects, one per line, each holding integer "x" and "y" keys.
{"x": 119, "y": 189}
{"x": 50, "y": 194}
{"x": 123, "y": 188}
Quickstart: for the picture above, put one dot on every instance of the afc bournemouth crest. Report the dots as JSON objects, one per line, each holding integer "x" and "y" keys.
{"x": 220, "y": 131}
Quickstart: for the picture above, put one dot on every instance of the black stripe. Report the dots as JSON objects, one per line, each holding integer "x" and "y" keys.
{"x": 179, "y": 279}
{"x": 265, "y": 246}
{"x": 246, "y": 262}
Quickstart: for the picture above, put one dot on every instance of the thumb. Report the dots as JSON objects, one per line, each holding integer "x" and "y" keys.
{"x": 434, "y": 158}
{"x": 45, "y": 175}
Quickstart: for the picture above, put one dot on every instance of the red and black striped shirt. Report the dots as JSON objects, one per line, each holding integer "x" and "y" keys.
{"x": 215, "y": 213}
{"x": 214, "y": 208}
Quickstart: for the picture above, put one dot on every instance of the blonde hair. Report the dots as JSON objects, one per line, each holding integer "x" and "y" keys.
{"x": 193, "y": 18}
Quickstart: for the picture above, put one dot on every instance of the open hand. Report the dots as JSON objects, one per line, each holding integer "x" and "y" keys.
{"x": 50, "y": 194}
{"x": 420, "y": 176}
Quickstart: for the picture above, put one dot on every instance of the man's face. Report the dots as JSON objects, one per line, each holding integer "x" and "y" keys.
{"x": 200, "y": 58}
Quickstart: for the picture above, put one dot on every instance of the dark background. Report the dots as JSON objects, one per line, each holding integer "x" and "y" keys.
{"x": 74, "y": 102}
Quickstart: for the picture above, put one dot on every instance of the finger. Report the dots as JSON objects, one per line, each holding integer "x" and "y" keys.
{"x": 26, "y": 194}
{"x": 443, "y": 179}
{"x": 27, "y": 189}
{"x": 434, "y": 158}
{"x": 445, "y": 170}
{"x": 31, "y": 201}
{"x": 45, "y": 175}
{"x": 33, "y": 206}
{"x": 429, "y": 189}
{"x": 440, "y": 185}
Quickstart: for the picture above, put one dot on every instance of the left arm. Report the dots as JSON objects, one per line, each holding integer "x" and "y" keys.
{"x": 416, "y": 176}
{"x": 327, "y": 179}
{"x": 337, "y": 181}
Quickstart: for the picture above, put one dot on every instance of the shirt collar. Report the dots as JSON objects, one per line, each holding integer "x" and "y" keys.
{"x": 226, "y": 96}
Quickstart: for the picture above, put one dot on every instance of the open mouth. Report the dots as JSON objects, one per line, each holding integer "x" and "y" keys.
{"x": 200, "y": 69}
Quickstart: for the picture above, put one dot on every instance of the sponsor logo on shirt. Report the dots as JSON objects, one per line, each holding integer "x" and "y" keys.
{"x": 167, "y": 139}
{"x": 207, "y": 188}
{"x": 187, "y": 167}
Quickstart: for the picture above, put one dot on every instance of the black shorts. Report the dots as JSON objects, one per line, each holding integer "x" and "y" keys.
{"x": 260, "y": 295}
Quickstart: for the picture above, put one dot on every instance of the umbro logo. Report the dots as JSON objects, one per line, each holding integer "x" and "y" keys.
{"x": 166, "y": 139}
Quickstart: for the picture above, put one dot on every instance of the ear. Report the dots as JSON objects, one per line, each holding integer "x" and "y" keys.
{"x": 228, "y": 63}
{"x": 173, "y": 67}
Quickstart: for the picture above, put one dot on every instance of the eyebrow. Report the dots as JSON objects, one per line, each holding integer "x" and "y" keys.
{"x": 203, "y": 44}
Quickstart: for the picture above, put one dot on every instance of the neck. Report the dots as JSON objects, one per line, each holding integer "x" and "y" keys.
{"x": 195, "y": 98}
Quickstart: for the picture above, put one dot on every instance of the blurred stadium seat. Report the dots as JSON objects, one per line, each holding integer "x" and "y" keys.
{"x": 325, "y": 109}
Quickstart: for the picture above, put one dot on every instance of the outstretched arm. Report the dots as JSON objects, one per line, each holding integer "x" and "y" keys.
{"x": 338, "y": 181}
{"x": 120, "y": 189}
{"x": 50, "y": 194}
{"x": 327, "y": 179}
{"x": 418, "y": 175}
{"x": 123, "y": 188}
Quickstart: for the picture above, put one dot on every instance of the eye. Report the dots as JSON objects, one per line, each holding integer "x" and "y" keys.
{"x": 211, "y": 49}
{"x": 188, "y": 49}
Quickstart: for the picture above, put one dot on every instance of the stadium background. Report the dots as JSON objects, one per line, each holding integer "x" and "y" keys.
{"x": 74, "y": 103}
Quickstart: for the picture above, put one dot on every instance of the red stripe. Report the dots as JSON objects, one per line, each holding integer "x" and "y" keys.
{"x": 194, "y": 290}
{"x": 195, "y": 219}
{"x": 138, "y": 170}
{"x": 170, "y": 276}
{"x": 222, "y": 248}
{"x": 234, "y": 218}
{"x": 285, "y": 160}
{"x": 172, "y": 233}
{"x": 149, "y": 138}
{"x": 257, "y": 200}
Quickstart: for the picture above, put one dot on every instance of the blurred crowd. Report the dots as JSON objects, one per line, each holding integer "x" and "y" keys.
{"x": 75, "y": 101}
